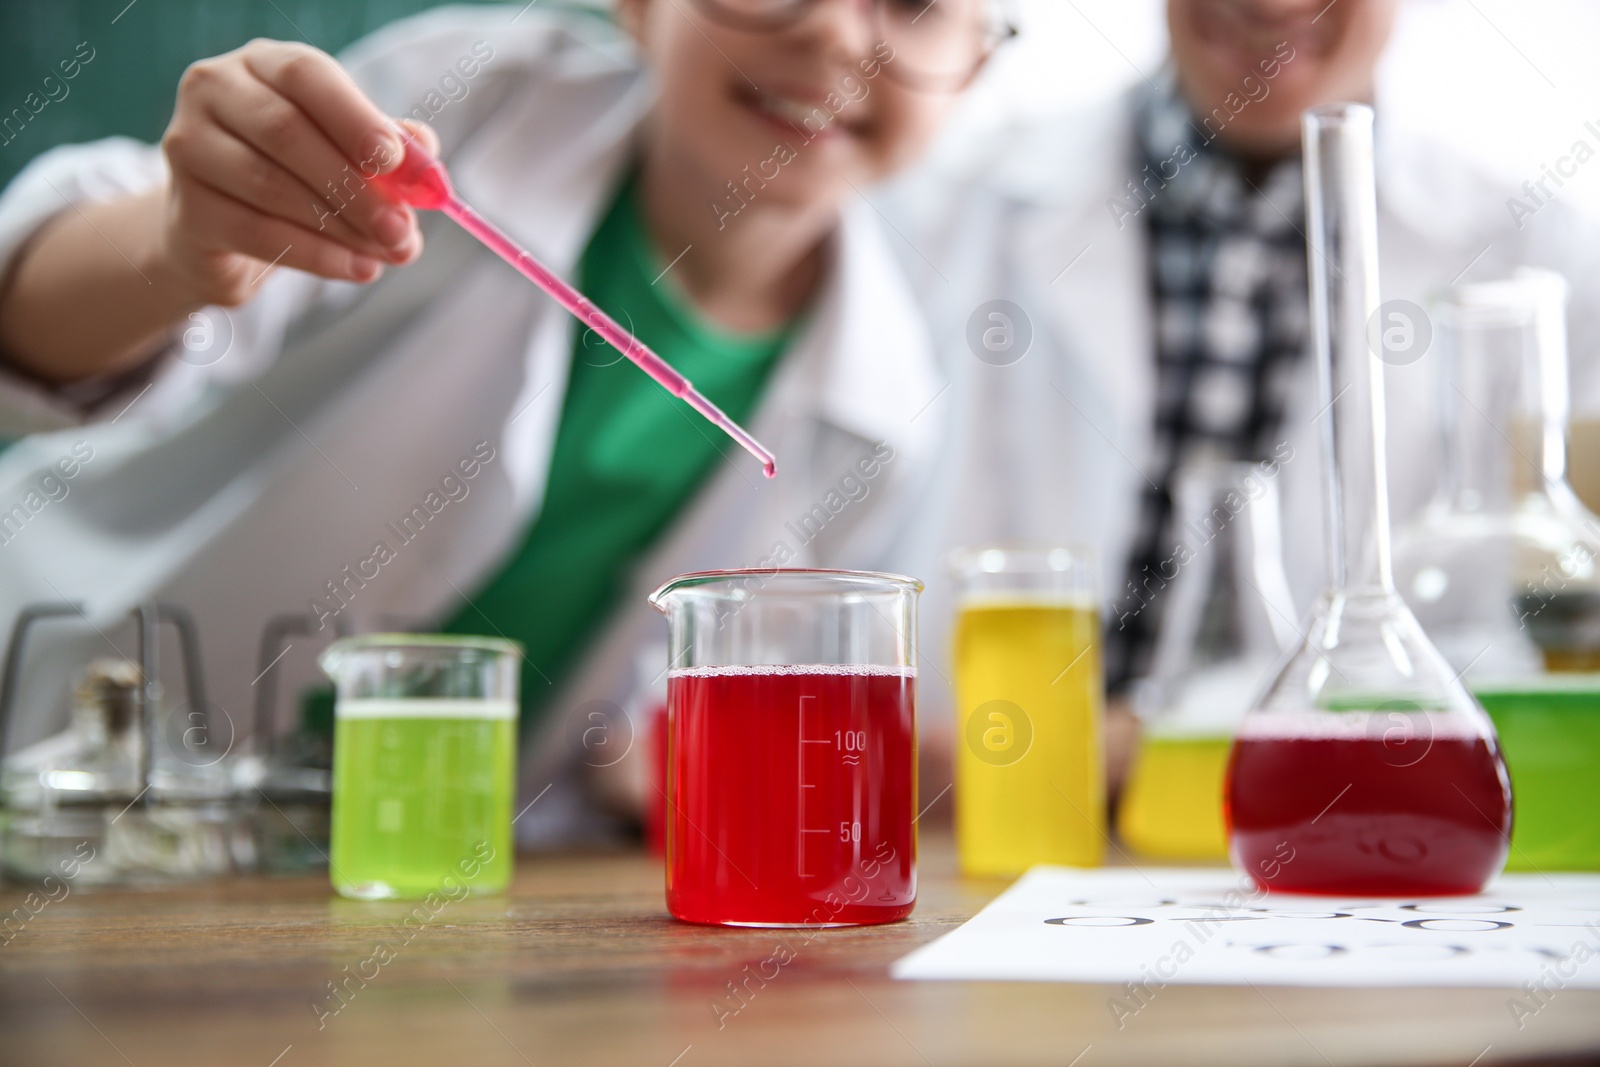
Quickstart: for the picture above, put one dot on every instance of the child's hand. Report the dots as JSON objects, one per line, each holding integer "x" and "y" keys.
{"x": 271, "y": 147}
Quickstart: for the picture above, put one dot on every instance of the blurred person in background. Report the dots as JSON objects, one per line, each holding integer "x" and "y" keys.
{"x": 1152, "y": 251}
{"x": 290, "y": 405}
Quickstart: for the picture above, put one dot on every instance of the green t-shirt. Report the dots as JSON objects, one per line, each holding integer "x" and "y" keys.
{"x": 628, "y": 455}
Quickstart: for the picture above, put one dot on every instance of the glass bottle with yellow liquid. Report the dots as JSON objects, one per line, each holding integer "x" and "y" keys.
{"x": 1226, "y": 617}
{"x": 1030, "y": 777}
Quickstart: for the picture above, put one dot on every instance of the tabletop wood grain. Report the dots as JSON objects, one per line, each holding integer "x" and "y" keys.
{"x": 581, "y": 965}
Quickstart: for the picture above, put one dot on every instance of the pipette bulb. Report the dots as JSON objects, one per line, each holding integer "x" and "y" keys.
{"x": 419, "y": 181}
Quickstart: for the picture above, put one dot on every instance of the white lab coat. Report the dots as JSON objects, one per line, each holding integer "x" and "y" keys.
{"x": 1054, "y": 446}
{"x": 241, "y": 488}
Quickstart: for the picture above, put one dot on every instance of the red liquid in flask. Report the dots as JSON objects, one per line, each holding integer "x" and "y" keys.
{"x": 1362, "y": 813}
{"x": 791, "y": 795}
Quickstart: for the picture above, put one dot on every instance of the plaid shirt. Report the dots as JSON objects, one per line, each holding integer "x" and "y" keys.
{"x": 1228, "y": 281}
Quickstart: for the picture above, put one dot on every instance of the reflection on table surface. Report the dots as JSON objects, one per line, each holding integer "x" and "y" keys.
{"x": 580, "y": 964}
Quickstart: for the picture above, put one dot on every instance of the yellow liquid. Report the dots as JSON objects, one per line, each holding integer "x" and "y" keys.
{"x": 1172, "y": 806}
{"x": 1030, "y": 785}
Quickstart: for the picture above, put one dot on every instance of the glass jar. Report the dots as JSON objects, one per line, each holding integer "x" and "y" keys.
{"x": 791, "y": 722}
{"x": 424, "y": 764}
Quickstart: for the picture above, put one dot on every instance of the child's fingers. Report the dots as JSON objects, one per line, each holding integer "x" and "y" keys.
{"x": 279, "y": 130}
{"x": 423, "y": 133}
{"x": 238, "y": 228}
{"x": 315, "y": 83}
{"x": 210, "y": 155}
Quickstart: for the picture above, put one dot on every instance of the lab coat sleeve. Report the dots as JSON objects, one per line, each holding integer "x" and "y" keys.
{"x": 51, "y": 184}
{"x": 214, "y": 346}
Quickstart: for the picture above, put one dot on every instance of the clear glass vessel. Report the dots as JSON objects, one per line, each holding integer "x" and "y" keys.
{"x": 791, "y": 746}
{"x": 1227, "y": 619}
{"x": 1030, "y": 760}
{"x": 1503, "y": 567}
{"x": 1365, "y": 766}
{"x": 424, "y": 764}
{"x": 136, "y": 789}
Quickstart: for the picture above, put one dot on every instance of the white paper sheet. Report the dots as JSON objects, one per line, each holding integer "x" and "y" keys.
{"x": 1159, "y": 927}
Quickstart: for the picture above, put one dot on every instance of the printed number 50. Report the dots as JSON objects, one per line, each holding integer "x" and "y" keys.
{"x": 850, "y": 831}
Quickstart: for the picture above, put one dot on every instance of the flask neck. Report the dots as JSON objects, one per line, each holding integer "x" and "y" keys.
{"x": 1486, "y": 446}
{"x": 1505, "y": 398}
{"x": 1342, "y": 252}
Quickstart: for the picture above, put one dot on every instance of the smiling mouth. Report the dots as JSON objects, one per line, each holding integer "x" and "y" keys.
{"x": 794, "y": 113}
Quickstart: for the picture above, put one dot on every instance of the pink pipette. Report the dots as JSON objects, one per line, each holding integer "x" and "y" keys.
{"x": 421, "y": 182}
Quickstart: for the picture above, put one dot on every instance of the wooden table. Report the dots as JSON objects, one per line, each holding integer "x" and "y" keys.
{"x": 580, "y": 964}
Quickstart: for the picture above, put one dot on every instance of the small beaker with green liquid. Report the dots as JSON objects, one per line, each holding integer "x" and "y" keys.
{"x": 424, "y": 755}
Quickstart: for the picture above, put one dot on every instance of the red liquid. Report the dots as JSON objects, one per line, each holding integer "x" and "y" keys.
{"x": 1353, "y": 815}
{"x": 791, "y": 795}
{"x": 655, "y": 797}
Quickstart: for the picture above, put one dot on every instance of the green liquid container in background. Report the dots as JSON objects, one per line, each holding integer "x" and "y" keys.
{"x": 424, "y": 765}
{"x": 1550, "y": 732}
{"x": 1502, "y": 568}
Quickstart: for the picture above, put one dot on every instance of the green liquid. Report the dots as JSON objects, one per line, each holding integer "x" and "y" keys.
{"x": 1551, "y": 739}
{"x": 421, "y": 805}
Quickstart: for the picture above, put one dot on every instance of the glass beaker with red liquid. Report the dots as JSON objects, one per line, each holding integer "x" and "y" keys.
{"x": 1366, "y": 767}
{"x": 791, "y": 747}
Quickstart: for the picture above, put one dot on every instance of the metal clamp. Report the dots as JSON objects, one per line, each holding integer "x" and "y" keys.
{"x": 273, "y": 646}
{"x": 147, "y": 618}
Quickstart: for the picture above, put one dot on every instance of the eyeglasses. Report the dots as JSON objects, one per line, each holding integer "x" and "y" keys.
{"x": 937, "y": 44}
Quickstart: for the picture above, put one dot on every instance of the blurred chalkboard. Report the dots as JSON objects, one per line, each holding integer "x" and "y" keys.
{"x": 137, "y": 52}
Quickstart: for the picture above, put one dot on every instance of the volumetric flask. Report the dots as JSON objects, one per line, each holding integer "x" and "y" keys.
{"x": 1503, "y": 567}
{"x": 424, "y": 755}
{"x": 791, "y": 741}
{"x": 1030, "y": 766}
{"x": 1365, "y": 767}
